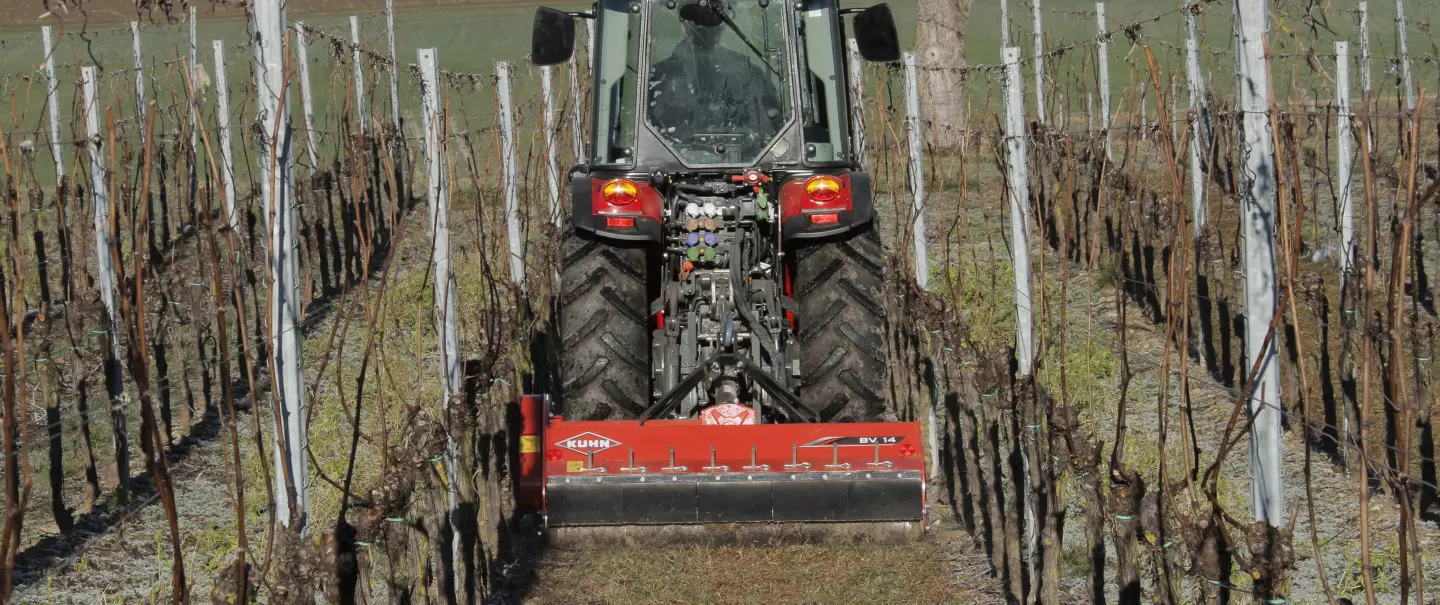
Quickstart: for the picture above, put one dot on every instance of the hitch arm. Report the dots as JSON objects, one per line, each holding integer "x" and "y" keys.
{"x": 670, "y": 399}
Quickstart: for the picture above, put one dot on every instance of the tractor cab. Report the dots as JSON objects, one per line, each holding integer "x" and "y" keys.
{"x": 683, "y": 86}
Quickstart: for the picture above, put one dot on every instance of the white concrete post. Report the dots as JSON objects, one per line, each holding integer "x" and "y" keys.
{"x": 577, "y": 128}
{"x": 510, "y": 174}
{"x": 306, "y": 107}
{"x": 857, "y": 103}
{"x": 1344, "y": 159}
{"x": 1400, "y": 24}
{"x": 917, "y": 172}
{"x": 52, "y": 101}
{"x": 1018, "y": 194}
{"x": 1257, "y": 188}
{"x": 552, "y": 161}
{"x": 590, "y": 52}
{"x": 277, "y": 191}
{"x": 447, "y": 326}
{"x": 1039, "y": 62}
{"x": 1004, "y": 23}
{"x": 139, "y": 71}
{"x": 360, "y": 117}
{"x": 222, "y": 118}
{"x": 1197, "y": 128}
{"x": 105, "y": 262}
{"x": 194, "y": 90}
{"x": 394, "y": 65}
{"x": 1364, "y": 46}
{"x": 1103, "y": 61}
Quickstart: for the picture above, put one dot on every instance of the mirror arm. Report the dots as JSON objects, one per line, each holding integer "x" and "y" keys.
{"x": 851, "y": 11}
{"x": 589, "y": 15}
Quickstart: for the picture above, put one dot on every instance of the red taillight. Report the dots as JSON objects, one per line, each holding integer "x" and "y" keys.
{"x": 620, "y": 222}
{"x": 823, "y": 188}
{"x": 907, "y": 449}
{"x": 554, "y": 455}
{"x": 817, "y": 196}
{"x": 620, "y": 192}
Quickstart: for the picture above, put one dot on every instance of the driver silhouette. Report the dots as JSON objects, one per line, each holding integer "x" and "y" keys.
{"x": 705, "y": 88}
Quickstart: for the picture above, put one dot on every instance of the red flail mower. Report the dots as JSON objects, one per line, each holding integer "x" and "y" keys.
{"x": 748, "y": 482}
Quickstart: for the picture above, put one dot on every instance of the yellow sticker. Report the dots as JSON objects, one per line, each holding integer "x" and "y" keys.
{"x": 574, "y": 466}
{"x": 529, "y": 444}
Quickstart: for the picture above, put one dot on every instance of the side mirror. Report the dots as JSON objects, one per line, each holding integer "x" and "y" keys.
{"x": 553, "y": 40}
{"x": 875, "y": 34}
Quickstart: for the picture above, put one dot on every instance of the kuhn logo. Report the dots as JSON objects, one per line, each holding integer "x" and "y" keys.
{"x": 587, "y": 443}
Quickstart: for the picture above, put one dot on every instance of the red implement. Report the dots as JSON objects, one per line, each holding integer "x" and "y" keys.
{"x": 668, "y": 472}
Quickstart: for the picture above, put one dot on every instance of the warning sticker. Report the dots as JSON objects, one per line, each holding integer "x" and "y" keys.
{"x": 574, "y": 466}
{"x": 529, "y": 444}
{"x": 853, "y": 441}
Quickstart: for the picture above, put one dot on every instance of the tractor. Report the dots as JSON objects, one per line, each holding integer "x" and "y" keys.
{"x": 720, "y": 342}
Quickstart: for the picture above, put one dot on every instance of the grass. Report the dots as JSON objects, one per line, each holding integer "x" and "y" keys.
{"x": 788, "y": 574}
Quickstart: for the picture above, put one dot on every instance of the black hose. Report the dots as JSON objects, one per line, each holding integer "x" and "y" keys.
{"x": 742, "y": 302}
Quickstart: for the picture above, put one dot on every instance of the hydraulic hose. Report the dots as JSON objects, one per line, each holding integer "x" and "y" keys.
{"x": 742, "y": 302}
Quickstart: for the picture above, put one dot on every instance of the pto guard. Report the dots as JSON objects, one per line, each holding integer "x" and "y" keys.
{"x": 856, "y": 482}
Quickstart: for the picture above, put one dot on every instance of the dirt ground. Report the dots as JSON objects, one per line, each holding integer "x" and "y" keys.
{"x": 941, "y": 568}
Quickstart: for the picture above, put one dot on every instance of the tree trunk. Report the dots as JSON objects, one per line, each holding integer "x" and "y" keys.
{"x": 940, "y": 46}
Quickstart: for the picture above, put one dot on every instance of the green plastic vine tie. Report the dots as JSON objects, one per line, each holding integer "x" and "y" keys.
{"x": 1124, "y": 517}
{"x": 395, "y": 519}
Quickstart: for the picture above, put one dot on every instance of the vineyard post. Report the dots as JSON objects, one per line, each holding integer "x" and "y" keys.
{"x": 1103, "y": 61}
{"x": 359, "y": 75}
{"x": 394, "y": 65}
{"x": 1364, "y": 46}
{"x": 1344, "y": 157}
{"x": 857, "y": 101}
{"x": 1258, "y": 189}
{"x": 552, "y": 161}
{"x": 1018, "y": 190}
{"x": 1090, "y": 113}
{"x": 277, "y": 191}
{"x": 105, "y": 266}
{"x": 1017, "y": 179}
{"x": 577, "y": 129}
{"x": 1197, "y": 110}
{"x": 1344, "y": 150}
{"x": 222, "y": 118}
{"x": 1039, "y": 62}
{"x": 193, "y": 90}
{"x": 510, "y": 174}
{"x": 52, "y": 99}
{"x": 1400, "y": 24}
{"x": 590, "y": 51}
{"x": 1144, "y": 119}
{"x": 307, "y": 109}
{"x": 437, "y": 194}
{"x": 139, "y": 71}
{"x": 917, "y": 171}
{"x": 1004, "y": 23}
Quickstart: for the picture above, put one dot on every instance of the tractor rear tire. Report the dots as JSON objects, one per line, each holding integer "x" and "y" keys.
{"x": 839, "y": 285}
{"x": 604, "y": 330}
